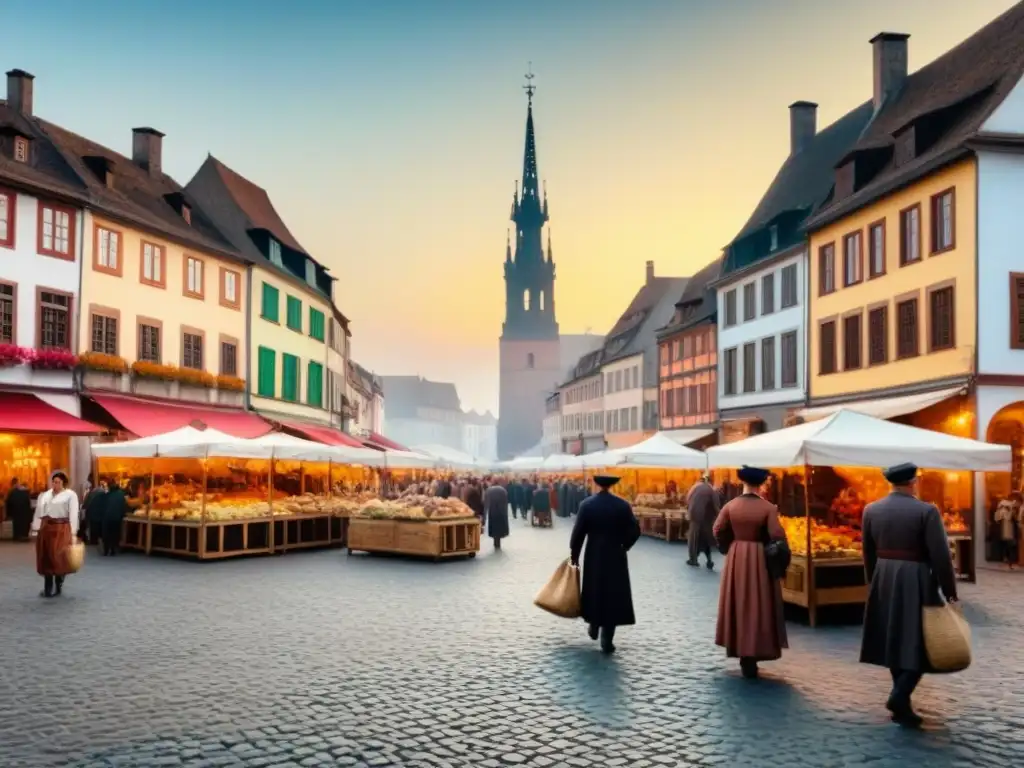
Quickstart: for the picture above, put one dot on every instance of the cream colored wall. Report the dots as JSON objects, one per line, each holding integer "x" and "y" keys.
{"x": 957, "y": 264}
{"x": 127, "y": 298}
{"x": 281, "y": 338}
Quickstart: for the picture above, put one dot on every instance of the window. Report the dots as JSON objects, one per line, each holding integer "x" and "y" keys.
{"x": 633, "y": 417}
{"x": 790, "y": 359}
{"x": 290, "y": 385}
{"x": 526, "y": 301}
{"x": 56, "y": 232}
{"x": 789, "y": 286}
{"x": 152, "y": 265}
{"x": 194, "y": 284}
{"x": 768, "y": 294}
{"x": 826, "y": 269}
{"x": 8, "y": 201}
{"x": 293, "y": 313}
{"x": 149, "y": 343}
{"x": 827, "y": 348}
{"x": 878, "y": 336}
{"x": 941, "y": 320}
{"x": 270, "y": 307}
{"x": 192, "y": 351}
{"x": 852, "y": 263}
{"x": 275, "y": 252}
{"x": 750, "y": 367}
{"x": 315, "y": 384}
{"x": 230, "y": 287}
{"x": 907, "y": 344}
{"x": 910, "y": 235}
{"x": 529, "y": 359}
{"x": 636, "y": 376}
{"x": 20, "y": 149}
{"x": 266, "y": 375}
{"x": 104, "y": 334}
{"x": 852, "y": 342}
{"x": 773, "y": 237}
{"x": 618, "y": 381}
{"x": 8, "y": 316}
{"x": 729, "y": 382}
{"x": 1016, "y": 310}
{"x": 943, "y": 221}
{"x": 730, "y": 308}
{"x": 876, "y": 249}
{"x": 107, "y": 254}
{"x": 54, "y": 320}
{"x": 228, "y": 358}
{"x": 749, "y": 301}
{"x": 316, "y": 324}
{"x": 768, "y": 363}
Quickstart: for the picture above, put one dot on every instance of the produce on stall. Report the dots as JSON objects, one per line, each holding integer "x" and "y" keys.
{"x": 661, "y": 516}
{"x": 424, "y": 526}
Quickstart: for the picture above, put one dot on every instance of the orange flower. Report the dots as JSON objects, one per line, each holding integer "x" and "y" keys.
{"x": 232, "y": 383}
{"x": 97, "y": 361}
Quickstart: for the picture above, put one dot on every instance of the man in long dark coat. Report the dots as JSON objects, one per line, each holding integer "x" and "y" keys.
{"x": 541, "y": 503}
{"x": 607, "y": 524}
{"x": 92, "y": 506}
{"x": 18, "y": 507}
{"x": 514, "y": 496}
{"x": 907, "y": 558}
{"x": 703, "y": 504}
{"x": 115, "y": 507}
{"x": 496, "y": 511}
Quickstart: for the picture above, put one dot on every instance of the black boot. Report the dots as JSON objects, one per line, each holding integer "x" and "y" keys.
{"x": 607, "y": 635}
{"x": 711, "y": 565}
{"x": 47, "y": 587}
{"x": 58, "y": 585}
{"x": 592, "y": 631}
{"x": 497, "y": 543}
{"x": 749, "y": 668}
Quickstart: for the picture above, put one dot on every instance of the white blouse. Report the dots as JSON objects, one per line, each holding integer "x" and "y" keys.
{"x": 62, "y": 506}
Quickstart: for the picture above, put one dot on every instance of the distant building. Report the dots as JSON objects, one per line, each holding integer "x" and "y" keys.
{"x": 365, "y": 396}
{"x": 422, "y": 412}
{"x": 480, "y": 435}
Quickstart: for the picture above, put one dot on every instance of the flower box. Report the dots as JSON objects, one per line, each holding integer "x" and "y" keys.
{"x": 53, "y": 360}
{"x": 147, "y": 370}
{"x": 230, "y": 383}
{"x": 96, "y": 361}
{"x": 12, "y": 354}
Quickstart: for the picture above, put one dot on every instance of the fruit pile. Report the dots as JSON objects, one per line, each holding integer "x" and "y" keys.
{"x": 221, "y": 508}
{"x": 657, "y": 505}
{"x": 825, "y": 541}
{"x": 415, "y": 508}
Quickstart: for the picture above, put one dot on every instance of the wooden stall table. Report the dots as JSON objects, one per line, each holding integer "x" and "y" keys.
{"x": 834, "y": 580}
{"x": 436, "y": 539}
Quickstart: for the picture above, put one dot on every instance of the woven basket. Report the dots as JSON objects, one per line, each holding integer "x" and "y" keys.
{"x": 947, "y": 638}
{"x": 75, "y": 556}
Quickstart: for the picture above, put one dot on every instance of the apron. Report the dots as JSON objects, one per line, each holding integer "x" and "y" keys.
{"x": 53, "y": 540}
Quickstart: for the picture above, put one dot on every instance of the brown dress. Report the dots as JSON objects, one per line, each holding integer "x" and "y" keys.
{"x": 52, "y": 547}
{"x": 750, "y": 619}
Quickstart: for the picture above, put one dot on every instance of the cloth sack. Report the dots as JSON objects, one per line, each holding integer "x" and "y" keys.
{"x": 561, "y": 595}
{"x": 947, "y": 638}
{"x": 75, "y": 556}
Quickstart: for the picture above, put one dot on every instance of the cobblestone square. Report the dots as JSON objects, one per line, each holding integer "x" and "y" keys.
{"x": 319, "y": 659}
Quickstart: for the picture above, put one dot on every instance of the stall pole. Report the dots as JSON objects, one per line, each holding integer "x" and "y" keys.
{"x": 202, "y": 518}
{"x": 330, "y": 479}
{"x": 270, "y": 502}
{"x": 812, "y": 609}
{"x": 149, "y": 506}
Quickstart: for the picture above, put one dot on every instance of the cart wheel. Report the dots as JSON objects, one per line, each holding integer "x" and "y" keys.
{"x": 348, "y": 552}
{"x": 472, "y": 555}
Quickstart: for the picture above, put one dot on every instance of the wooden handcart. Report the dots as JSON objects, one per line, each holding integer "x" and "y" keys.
{"x": 540, "y": 519}
{"x": 437, "y": 539}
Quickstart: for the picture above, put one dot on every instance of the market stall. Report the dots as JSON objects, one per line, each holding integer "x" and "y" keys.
{"x": 418, "y": 526}
{"x": 826, "y": 471}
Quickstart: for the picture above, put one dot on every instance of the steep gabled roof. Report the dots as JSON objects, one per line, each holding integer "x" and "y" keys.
{"x": 698, "y": 303}
{"x": 48, "y": 172}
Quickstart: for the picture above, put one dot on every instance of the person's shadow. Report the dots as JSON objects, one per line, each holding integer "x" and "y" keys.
{"x": 589, "y": 684}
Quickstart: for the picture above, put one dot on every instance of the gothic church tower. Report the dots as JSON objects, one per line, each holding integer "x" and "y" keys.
{"x": 529, "y": 345}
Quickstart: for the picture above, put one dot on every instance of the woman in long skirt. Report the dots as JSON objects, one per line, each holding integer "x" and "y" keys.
{"x": 54, "y": 525}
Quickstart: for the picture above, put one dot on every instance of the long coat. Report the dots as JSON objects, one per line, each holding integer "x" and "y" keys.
{"x": 703, "y": 504}
{"x": 907, "y": 558}
{"x": 496, "y": 509}
{"x": 607, "y": 524}
{"x": 19, "y": 510}
{"x": 750, "y": 618}
{"x": 541, "y": 500}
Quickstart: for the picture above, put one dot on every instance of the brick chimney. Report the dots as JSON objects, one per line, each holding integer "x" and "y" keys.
{"x": 650, "y": 271}
{"x": 19, "y": 91}
{"x": 147, "y": 150}
{"x": 889, "y": 56}
{"x": 803, "y": 124}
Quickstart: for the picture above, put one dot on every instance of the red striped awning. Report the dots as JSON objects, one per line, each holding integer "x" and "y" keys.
{"x": 380, "y": 442}
{"x": 25, "y": 413}
{"x": 146, "y": 418}
{"x": 321, "y": 434}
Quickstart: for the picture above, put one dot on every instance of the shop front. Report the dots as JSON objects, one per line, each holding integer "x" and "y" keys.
{"x": 999, "y": 417}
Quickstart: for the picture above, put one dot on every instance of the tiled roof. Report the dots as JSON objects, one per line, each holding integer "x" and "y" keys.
{"x": 967, "y": 83}
{"x": 698, "y": 303}
{"x": 48, "y": 171}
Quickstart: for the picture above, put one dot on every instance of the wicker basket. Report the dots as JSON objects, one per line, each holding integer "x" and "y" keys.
{"x": 947, "y": 638}
{"x": 75, "y": 556}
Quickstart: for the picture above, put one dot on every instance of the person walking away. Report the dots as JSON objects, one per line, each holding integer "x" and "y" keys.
{"x": 93, "y": 509}
{"x": 115, "y": 507}
{"x": 907, "y": 559}
{"x": 496, "y": 510}
{"x": 1006, "y": 516}
{"x": 541, "y": 505}
{"x": 703, "y": 505}
{"x": 751, "y": 625}
{"x": 475, "y": 501}
{"x": 606, "y": 524}
{"x": 18, "y": 507}
{"x": 54, "y": 525}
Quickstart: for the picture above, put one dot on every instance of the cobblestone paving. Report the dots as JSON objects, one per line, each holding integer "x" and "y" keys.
{"x": 320, "y": 659}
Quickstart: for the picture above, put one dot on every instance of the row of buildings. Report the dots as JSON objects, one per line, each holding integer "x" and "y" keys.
{"x": 881, "y": 271}
{"x": 132, "y": 303}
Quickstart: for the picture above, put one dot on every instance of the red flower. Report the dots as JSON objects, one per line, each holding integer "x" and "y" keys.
{"x": 53, "y": 360}
{"x": 11, "y": 355}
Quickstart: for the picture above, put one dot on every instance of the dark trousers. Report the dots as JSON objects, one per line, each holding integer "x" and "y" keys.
{"x": 904, "y": 682}
{"x": 698, "y": 550}
{"x": 49, "y": 582}
{"x": 607, "y": 634}
{"x": 111, "y": 533}
{"x": 20, "y": 525}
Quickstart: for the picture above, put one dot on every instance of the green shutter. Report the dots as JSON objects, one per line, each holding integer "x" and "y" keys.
{"x": 266, "y": 384}
{"x": 271, "y": 303}
{"x": 294, "y": 314}
{"x": 316, "y": 324}
{"x": 289, "y": 377}
{"x": 315, "y": 385}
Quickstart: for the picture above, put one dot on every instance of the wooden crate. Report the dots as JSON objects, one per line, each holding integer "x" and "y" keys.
{"x": 677, "y": 527}
{"x": 834, "y": 581}
{"x": 417, "y": 538}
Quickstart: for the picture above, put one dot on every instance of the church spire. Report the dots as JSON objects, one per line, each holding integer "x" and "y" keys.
{"x": 529, "y": 209}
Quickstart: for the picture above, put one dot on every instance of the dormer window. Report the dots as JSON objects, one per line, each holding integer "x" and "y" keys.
{"x": 275, "y": 253}
{"x": 773, "y": 236}
{"x": 21, "y": 149}
{"x": 186, "y": 214}
{"x": 177, "y": 201}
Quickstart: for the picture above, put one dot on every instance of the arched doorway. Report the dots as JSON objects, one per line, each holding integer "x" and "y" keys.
{"x": 1005, "y": 428}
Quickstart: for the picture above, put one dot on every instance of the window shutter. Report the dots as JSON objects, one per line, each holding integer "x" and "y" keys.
{"x": 878, "y": 336}
{"x": 827, "y": 348}
{"x": 271, "y": 301}
{"x": 1017, "y": 319}
{"x": 266, "y": 384}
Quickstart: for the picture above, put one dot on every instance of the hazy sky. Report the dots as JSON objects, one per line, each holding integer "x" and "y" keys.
{"x": 389, "y": 133}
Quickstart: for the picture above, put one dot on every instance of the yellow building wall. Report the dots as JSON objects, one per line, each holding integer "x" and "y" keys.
{"x": 957, "y": 264}
{"x": 129, "y": 299}
{"x": 280, "y": 338}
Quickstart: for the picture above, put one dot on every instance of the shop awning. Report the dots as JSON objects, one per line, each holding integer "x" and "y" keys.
{"x": 146, "y": 418}
{"x": 25, "y": 413}
{"x": 886, "y": 407}
{"x": 686, "y": 436}
{"x": 380, "y": 442}
{"x": 322, "y": 434}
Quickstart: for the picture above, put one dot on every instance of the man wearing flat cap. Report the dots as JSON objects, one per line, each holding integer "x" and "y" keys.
{"x": 607, "y": 525}
{"x": 907, "y": 559}
{"x": 702, "y": 505}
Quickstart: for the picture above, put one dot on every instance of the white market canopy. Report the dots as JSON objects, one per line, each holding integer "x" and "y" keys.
{"x": 450, "y": 457}
{"x": 884, "y": 407}
{"x": 277, "y": 445}
{"x": 182, "y": 443}
{"x": 659, "y": 451}
{"x": 851, "y": 439}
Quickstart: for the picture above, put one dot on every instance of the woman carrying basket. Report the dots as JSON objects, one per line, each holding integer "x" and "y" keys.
{"x": 55, "y": 525}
